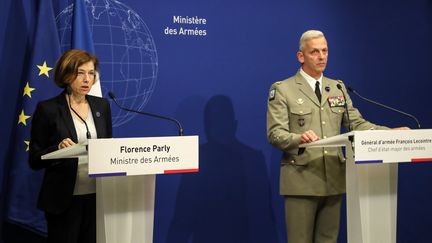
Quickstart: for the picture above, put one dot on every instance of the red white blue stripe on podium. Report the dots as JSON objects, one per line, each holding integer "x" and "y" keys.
{"x": 125, "y": 174}
{"x": 415, "y": 160}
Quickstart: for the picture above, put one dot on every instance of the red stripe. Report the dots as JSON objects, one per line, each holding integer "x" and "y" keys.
{"x": 422, "y": 160}
{"x": 180, "y": 171}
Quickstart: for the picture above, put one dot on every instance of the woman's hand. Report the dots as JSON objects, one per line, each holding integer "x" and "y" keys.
{"x": 65, "y": 143}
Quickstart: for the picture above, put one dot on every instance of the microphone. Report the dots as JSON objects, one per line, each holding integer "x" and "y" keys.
{"x": 180, "y": 128}
{"x": 385, "y": 106}
{"x": 68, "y": 91}
{"x": 346, "y": 107}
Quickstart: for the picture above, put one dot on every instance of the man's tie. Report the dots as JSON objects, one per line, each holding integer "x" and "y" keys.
{"x": 318, "y": 91}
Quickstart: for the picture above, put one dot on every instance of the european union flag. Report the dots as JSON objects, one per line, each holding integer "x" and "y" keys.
{"x": 24, "y": 183}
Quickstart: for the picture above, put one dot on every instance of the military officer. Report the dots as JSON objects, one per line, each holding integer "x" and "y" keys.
{"x": 302, "y": 109}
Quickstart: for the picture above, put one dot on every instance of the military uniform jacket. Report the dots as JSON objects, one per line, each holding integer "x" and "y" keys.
{"x": 293, "y": 108}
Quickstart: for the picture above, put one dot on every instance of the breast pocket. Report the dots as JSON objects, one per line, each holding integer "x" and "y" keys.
{"x": 300, "y": 119}
{"x": 337, "y": 112}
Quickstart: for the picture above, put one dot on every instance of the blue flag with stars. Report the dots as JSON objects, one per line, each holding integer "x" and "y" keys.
{"x": 24, "y": 183}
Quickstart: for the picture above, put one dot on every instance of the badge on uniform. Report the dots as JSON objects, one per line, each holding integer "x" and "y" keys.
{"x": 272, "y": 94}
{"x": 301, "y": 122}
{"x": 300, "y": 101}
{"x": 336, "y": 101}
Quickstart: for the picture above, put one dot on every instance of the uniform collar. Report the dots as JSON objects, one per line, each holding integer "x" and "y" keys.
{"x": 310, "y": 80}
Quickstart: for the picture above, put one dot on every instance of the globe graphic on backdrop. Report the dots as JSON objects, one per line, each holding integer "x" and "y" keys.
{"x": 126, "y": 52}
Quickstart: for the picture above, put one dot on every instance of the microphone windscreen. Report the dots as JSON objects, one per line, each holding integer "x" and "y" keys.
{"x": 339, "y": 86}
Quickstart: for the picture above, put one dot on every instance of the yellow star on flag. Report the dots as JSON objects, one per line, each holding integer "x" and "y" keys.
{"x": 28, "y": 90}
{"x": 28, "y": 144}
{"x": 44, "y": 69}
{"x": 22, "y": 118}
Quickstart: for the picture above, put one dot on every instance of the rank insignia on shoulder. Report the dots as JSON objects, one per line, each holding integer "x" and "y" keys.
{"x": 272, "y": 94}
{"x": 336, "y": 101}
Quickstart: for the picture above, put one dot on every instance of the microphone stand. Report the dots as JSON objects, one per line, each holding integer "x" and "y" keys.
{"x": 180, "y": 128}
{"x": 385, "y": 106}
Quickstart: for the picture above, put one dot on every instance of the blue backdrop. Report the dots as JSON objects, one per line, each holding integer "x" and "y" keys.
{"x": 214, "y": 78}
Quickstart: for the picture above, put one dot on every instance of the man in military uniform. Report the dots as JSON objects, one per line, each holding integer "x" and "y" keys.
{"x": 303, "y": 109}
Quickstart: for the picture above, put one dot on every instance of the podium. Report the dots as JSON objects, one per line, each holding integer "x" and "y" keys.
{"x": 125, "y": 170}
{"x": 372, "y": 158}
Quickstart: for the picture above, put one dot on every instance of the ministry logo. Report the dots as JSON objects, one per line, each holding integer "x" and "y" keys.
{"x": 126, "y": 51}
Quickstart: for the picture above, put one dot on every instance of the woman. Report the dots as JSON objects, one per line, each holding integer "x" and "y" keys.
{"x": 67, "y": 193}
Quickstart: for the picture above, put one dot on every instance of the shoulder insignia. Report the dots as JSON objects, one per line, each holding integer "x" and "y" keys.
{"x": 272, "y": 94}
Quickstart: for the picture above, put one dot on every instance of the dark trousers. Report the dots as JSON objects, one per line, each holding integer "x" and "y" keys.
{"x": 77, "y": 224}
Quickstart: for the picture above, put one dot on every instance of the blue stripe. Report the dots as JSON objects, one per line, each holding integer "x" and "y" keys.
{"x": 108, "y": 174}
{"x": 368, "y": 161}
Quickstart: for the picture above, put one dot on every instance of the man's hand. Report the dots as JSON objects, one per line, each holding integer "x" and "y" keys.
{"x": 308, "y": 137}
